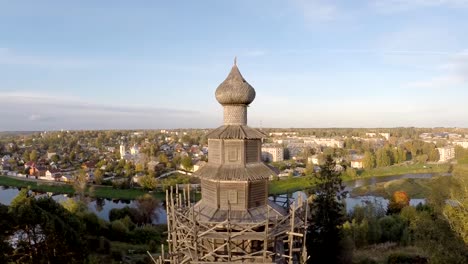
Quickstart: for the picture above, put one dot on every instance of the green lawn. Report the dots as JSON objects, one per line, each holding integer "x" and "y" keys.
{"x": 95, "y": 191}
{"x": 290, "y": 185}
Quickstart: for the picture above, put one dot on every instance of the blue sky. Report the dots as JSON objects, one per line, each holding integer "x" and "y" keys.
{"x": 156, "y": 64}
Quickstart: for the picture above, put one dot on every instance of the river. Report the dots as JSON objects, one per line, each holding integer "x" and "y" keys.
{"x": 102, "y": 207}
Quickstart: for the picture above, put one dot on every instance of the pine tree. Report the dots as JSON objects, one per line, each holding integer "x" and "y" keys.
{"x": 327, "y": 214}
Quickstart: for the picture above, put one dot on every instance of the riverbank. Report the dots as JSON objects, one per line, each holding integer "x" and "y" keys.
{"x": 290, "y": 185}
{"x": 415, "y": 188}
{"x": 300, "y": 183}
{"x": 400, "y": 169}
{"x": 94, "y": 191}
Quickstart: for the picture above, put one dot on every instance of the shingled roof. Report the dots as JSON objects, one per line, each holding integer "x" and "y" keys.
{"x": 255, "y": 171}
{"x": 235, "y": 132}
{"x": 235, "y": 89}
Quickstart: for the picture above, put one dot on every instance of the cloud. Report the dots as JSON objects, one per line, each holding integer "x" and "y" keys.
{"x": 256, "y": 53}
{"x": 394, "y": 6}
{"x": 454, "y": 73}
{"x": 32, "y": 111}
{"x": 11, "y": 57}
{"x": 34, "y": 117}
{"x": 317, "y": 10}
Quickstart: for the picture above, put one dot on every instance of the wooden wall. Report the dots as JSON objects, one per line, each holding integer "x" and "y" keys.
{"x": 258, "y": 193}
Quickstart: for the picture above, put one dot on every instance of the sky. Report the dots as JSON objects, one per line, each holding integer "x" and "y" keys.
{"x": 115, "y": 64}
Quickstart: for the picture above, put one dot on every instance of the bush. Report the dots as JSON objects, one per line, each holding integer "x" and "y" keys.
{"x": 400, "y": 258}
{"x": 119, "y": 230}
{"x": 367, "y": 261}
{"x": 117, "y": 255}
{"x": 392, "y": 228}
{"x": 146, "y": 234}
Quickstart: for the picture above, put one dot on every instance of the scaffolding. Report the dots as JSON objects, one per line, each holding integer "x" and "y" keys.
{"x": 276, "y": 239}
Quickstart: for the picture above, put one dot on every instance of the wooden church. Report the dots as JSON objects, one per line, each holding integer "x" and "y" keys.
{"x": 235, "y": 221}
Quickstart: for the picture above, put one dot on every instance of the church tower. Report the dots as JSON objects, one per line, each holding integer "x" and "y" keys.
{"x": 234, "y": 221}
{"x": 234, "y": 177}
{"x": 123, "y": 151}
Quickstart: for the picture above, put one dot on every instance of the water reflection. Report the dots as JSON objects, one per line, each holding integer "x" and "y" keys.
{"x": 101, "y": 207}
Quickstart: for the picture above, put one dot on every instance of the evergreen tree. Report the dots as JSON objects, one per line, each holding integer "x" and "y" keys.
{"x": 327, "y": 214}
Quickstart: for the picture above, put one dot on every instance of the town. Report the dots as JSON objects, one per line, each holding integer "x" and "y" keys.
{"x": 196, "y": 132}
{"x": 139, "y": 158}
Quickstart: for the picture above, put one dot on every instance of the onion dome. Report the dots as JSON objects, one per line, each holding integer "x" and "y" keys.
{"x": 235, "y": 90}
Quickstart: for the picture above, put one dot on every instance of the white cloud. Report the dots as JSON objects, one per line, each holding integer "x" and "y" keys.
{"x": 256, "y": 53}
{"x": 32, "y": 111}
{"x": 393, "y": 6}
{"x": 454, "y": 73}
{"x": 317, "y": 10}
{"x": 11, "y": 57}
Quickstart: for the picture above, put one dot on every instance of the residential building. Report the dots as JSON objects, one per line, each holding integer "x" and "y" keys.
{"x": 313, "y": 159}
{"x": 446, "y": 153}
{"x": 357, "y": 164}
{"x": 461, "y": 143}
{"x": 272, "y": 153}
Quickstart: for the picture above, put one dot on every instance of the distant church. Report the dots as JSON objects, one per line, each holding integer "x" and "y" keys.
{"x": 234, "y": 221}
{"x": 133, "y": 155}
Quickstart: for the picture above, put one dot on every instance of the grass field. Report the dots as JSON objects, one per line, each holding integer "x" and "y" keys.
{"x": 415, "y": 188}
{"x": 379, "y": 253}
{"x": 301, "y": 183}
{"x": 95, "y": 191}
{"x": 400, "y": 169}
{"x": 290, "y": 185}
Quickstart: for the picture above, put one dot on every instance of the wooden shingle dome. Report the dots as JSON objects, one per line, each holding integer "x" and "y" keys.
{"x": 235, "y": 90}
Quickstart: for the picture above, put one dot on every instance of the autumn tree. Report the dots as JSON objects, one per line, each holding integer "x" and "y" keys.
{"x": 399, "y": 200}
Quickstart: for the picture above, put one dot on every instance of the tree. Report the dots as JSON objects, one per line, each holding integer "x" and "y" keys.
{"x": 146, "y": 205}
{"x": 456, "y": 212}
{"x": 148, "y": 182}
{"x": 368, "y": 162}
{"x": 7, "y": 223}
{"x": 55, "y": 158}
{"x": 46, "y": 232}
{"x": 98, "y": 176}
{"x": 434, "y": 155}
{"x": 187, "y": 163}
{"x": 79, "y": 184}
{"x": 33, "y": 155}
{"x": 399, "y": 200}
{"x": 327, "y": 210}
{"x": 139, "y": 167}
{"x": 351, "y": 172}
{"x": 309, "y": 170}
{"x": 162, "y": 158}
{"x": 382, "y": 158}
